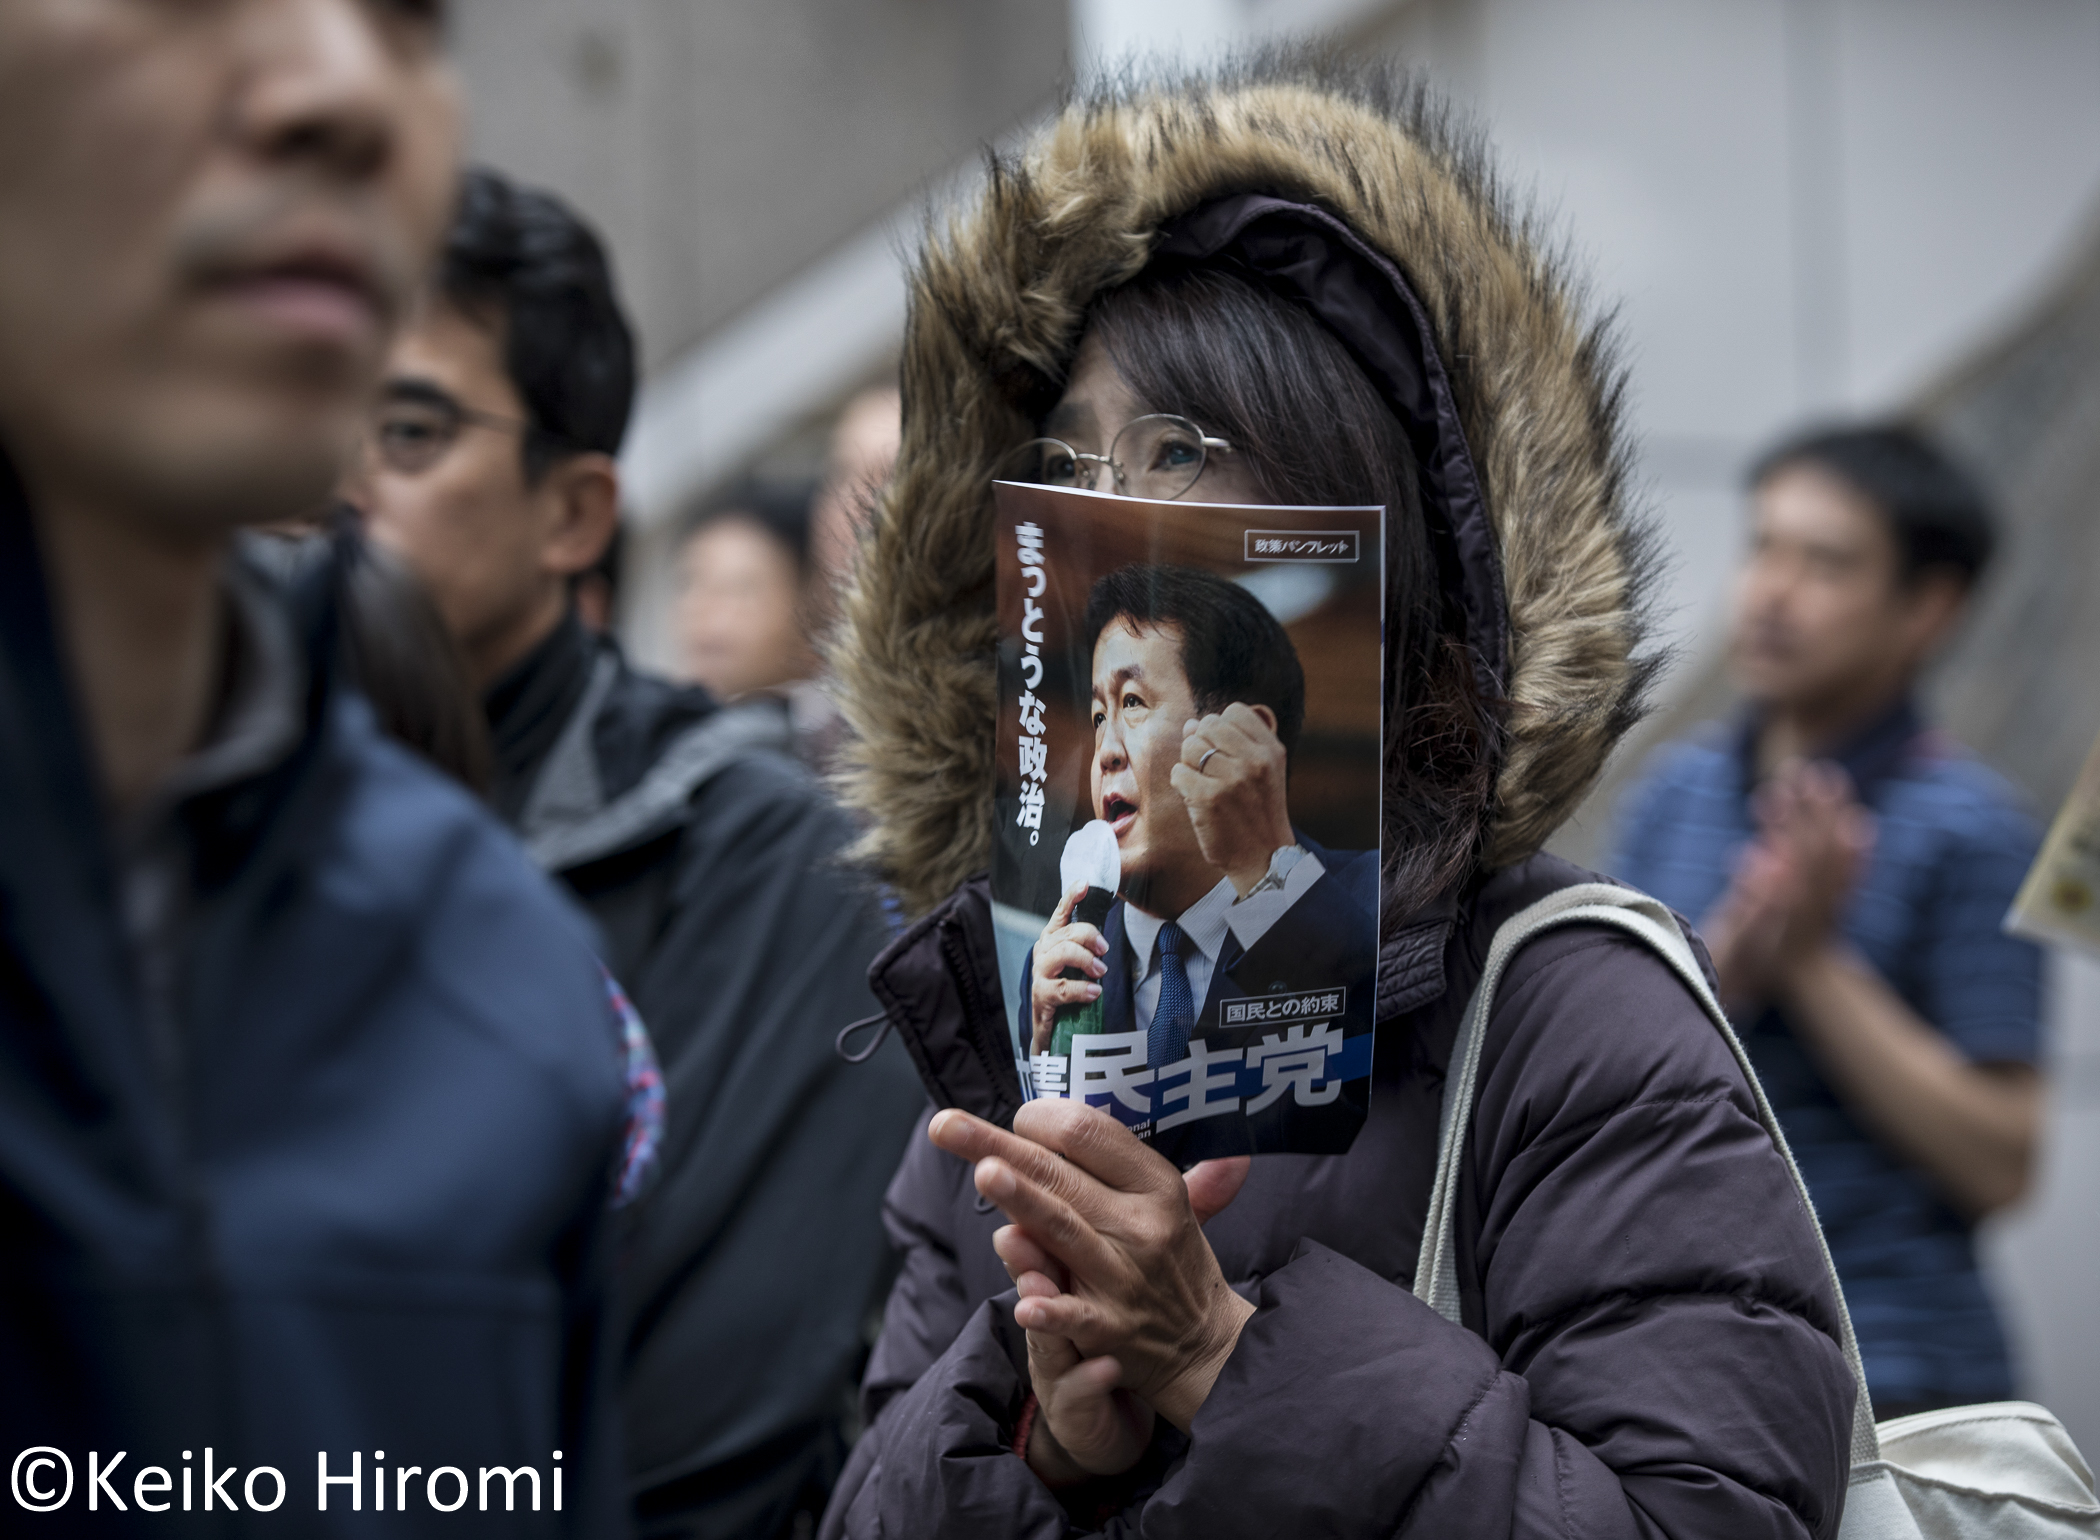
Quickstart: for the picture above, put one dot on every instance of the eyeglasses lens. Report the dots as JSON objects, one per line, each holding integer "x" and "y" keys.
{"x": 411, "y": 436}
{"x": 1050, "y": 462}
{"x": 1158, "y": 457}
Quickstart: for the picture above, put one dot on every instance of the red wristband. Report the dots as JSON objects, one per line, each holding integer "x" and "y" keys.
{"x": 1025, "y": 1425}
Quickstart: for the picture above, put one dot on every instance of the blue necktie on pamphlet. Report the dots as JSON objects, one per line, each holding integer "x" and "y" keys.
{"x": 1167, "y": 1041}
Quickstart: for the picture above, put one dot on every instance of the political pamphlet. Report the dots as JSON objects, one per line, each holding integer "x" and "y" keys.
{"x": 1185, "y": 882}
{"x": 2060, "y": 900}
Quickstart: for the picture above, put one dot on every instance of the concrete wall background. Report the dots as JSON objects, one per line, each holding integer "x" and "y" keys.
{"x": 755, "y": 168}
{"x": 1796, "y": 205}
{"x": 724, "y": 145}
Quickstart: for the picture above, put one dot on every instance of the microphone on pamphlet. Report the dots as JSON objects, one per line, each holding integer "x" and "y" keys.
{"x": 1090, "y": 856}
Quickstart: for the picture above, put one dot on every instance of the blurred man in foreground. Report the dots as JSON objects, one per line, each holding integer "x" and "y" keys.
{"x": 308, "y": 1092}
{"x": 706, "y": 856}
{"x": 1852, "y": 867}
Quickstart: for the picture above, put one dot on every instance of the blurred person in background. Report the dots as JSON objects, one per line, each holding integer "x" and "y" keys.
{"x": 864, "y": 445}
{"x": 744, "y": 590}
{"x": 1852, "y": 867}
{"x": 707, "y": 857}
{"x": 311, "y": 1105}
{"x": 749, "y": 598}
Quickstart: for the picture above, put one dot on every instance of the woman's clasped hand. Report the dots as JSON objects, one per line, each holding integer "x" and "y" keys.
{"x": 1127, "y": 1313}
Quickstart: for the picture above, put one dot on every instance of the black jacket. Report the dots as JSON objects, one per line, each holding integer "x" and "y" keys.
{"x": 711, "y": 863}
{"x": 1650, "y": 1344}
{"x": 336, "y": 1183}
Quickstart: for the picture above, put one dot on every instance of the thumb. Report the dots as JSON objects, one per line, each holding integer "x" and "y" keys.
{"x": 1213, "y": 1184}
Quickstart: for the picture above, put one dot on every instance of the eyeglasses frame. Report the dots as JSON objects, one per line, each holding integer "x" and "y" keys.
{"x": 462, "y": 416}
{"x": 1206, "y": 442}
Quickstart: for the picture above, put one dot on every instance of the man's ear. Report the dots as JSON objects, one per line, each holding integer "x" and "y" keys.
{"x": 1268, "y": 717}
{"x": 584, "y": 492}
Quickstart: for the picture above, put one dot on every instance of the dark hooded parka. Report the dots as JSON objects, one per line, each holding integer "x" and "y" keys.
{"x": 1649, "y": 1344}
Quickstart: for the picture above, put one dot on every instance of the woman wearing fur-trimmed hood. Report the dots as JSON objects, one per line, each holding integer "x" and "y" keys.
{"x": 1650, "y": 1345}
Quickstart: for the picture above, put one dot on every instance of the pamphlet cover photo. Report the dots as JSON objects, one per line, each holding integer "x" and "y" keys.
{"x": 1185, "y": 881}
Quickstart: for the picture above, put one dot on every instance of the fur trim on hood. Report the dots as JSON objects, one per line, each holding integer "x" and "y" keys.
{"x": 999, "y": 297}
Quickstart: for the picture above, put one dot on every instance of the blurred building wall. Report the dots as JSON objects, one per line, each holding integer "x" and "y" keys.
{"x": 725, "y": 145}
{"x": 1795, "y": 205}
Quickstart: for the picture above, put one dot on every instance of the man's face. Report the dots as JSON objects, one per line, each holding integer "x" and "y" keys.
{"x": 1142, "y": 700}
{"x": 467, "y": 523}
{"x": 213, "y": 213}
{"x": 1821, "y": 611}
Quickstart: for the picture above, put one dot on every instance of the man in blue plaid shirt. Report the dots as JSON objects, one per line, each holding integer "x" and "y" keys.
{"x": 1850, "y": 868}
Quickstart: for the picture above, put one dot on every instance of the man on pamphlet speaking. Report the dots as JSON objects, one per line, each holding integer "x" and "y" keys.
{"x": 1233, "y": 934}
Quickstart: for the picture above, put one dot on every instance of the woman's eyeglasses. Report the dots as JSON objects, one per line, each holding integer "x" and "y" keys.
{"x": 1157, "y": 457}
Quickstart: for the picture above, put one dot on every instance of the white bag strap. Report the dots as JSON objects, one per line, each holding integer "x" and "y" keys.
{"x": 1595, "y": 903}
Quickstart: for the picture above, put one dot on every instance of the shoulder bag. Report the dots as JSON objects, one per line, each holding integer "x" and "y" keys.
{"x": 2002, "y": 1469}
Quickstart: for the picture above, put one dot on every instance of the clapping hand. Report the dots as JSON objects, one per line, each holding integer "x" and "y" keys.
{"x": 1127, "y": 1312}
{"x": 1809, "y": 811}
{"x": 1793, "y": 881}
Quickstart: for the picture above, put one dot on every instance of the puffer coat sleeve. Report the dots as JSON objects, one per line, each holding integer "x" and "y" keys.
{"x": 1652, "y": 1347}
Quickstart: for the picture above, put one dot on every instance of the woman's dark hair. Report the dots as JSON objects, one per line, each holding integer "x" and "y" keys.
{"x": 780, "y": 509}
{"x": 1310, "y": 428}
{"x": 1938, "y": 515}
{"x": 1232, "y": 648}
{"x": 401, "y": 658}
{"x": 519, "y": 259}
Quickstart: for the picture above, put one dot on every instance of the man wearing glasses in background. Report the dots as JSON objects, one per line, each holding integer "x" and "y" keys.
{"x": 308, "y": 1088}
{"x": 708, "y": 858}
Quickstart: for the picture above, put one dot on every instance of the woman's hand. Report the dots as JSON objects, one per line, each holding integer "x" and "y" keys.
{"x": 1063, "y": 944}
{"x": 1087, "y": 1424}
{"x": 1126, "y": 1273}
